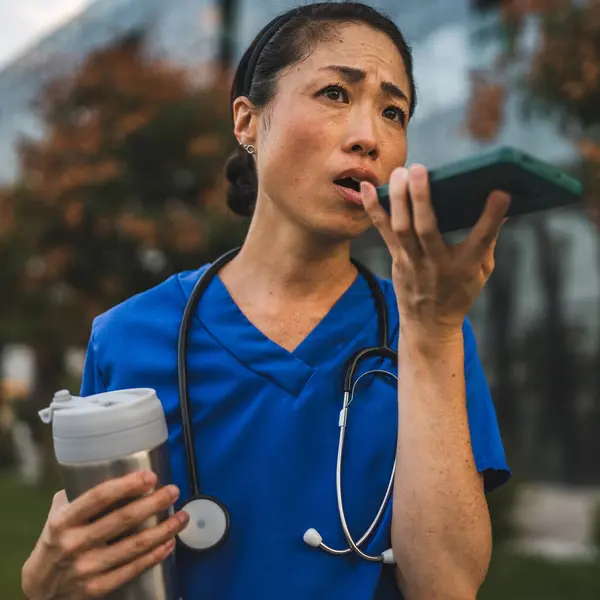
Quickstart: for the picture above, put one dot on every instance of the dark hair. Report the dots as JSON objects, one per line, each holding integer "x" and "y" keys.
{"x": 284, "y": 41}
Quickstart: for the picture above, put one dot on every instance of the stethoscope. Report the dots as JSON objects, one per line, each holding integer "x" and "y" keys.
{"x": 209, "y": 518}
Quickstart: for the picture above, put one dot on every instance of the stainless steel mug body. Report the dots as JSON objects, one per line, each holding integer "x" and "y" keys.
{"x": 157, "y": 583}
{"x": 108, "y": 435}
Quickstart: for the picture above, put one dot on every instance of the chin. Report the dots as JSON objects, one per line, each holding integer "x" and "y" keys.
{"x": 342, "y": 225}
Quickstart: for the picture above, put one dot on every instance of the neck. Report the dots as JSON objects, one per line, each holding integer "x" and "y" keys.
{"x": 279, "y": 257}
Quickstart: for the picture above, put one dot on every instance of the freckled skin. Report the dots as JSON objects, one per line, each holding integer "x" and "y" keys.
{"x": 310, "y": 133}
{"x": 309, "y": 137}
{"x": 295, "y": 264}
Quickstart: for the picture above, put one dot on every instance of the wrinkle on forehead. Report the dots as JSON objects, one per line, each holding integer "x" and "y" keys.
{"x": 355, "y": 45}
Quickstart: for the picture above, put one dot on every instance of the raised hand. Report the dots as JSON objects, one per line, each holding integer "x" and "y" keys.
{"x": 436, "y": 283}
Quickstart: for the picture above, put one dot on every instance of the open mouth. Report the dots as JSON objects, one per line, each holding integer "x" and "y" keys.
{"x": 349, "y": 182}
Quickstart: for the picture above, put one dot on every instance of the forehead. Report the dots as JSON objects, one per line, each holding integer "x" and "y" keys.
{"x": 359, "y": 46}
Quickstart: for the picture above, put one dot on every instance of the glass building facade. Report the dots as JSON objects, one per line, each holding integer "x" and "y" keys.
{"x": 538, "y": 320}
{"x": 185, "y": 30}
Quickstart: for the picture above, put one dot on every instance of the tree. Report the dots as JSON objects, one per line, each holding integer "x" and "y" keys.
{"x": 124, "y": 188}
{"x": 11, "y": 264}
{"x": 559, "y": 78}
{"x": 229, "y": 10}
{"x": 501, "y": 291}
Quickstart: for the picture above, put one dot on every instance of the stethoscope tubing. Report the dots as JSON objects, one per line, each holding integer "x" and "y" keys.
{"x": 383, "y": 350}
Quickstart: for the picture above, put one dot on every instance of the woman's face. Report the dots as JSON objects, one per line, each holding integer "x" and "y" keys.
{"x": 339, "y": 114}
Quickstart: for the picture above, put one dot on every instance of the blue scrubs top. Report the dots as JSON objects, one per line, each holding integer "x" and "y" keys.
{"x": 266, "y": 432}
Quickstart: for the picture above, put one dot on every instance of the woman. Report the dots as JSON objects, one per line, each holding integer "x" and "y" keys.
{"x": 321, "y": 103}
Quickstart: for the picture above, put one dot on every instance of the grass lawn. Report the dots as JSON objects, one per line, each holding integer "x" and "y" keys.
{"x": 514, "y": 577}
{"x": 23, "y": 511}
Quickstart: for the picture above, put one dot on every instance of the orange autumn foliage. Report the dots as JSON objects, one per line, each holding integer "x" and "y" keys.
{"x": 485, "y": 112}
{"x": 123, "y": 189}
{"x": 562, "y": 77}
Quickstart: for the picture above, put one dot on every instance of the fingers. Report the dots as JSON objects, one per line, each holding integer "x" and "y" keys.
{"x": 60, "y": 505}
{"x": 401, "y": 217}
{"x": 378, "y": 215}
{"x": 59, "y": 500}
{"x": 486, "y": 230}
{"x": 424, "y": 219}
{"x": 100, "y": 586}
{"x": 489, "y": 257}
{"x": 489, "y": 261}
{"x": 123, "y": 520}
{"x": 73, "y": 555}
{"x": 412, "y": 224}
{"x": 396, "y": 229}
{"x": 105, "y": 495}
{"x": 101, "y": 559}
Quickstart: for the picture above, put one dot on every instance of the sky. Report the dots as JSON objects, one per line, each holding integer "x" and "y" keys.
{"x": 25, "y": 21}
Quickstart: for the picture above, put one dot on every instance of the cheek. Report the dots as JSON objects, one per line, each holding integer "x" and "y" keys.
{"x": 394, "y": 154}
{"x": 300, "y": 146}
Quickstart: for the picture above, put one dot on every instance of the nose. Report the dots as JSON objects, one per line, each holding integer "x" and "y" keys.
{"x": 362, "y": 138}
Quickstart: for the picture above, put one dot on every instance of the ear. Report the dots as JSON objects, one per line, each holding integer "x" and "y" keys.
{"x": 245, "y": 119}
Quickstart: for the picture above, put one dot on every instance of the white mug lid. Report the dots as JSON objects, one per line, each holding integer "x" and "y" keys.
{"x": 104, "y": 426}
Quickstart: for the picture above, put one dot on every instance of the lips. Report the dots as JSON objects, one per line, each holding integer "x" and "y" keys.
{"x": 351, "y": 178}
{"x": 348, "y": 182}
{"x": 349, "y": 194}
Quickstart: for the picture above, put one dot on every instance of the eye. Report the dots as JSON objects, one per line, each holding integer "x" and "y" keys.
{"x": 336, "y": 92}
{"x": 395, "y": 113}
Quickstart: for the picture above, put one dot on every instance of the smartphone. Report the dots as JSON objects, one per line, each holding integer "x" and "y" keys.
{"x": 459, "y": 190}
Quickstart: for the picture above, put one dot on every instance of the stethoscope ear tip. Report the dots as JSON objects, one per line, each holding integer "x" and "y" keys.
{"x": 388, "y": 557}
{"x": 312, "y": 537}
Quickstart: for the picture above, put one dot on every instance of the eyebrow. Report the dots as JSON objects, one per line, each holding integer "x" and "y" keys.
{"x": 355, "y": 75}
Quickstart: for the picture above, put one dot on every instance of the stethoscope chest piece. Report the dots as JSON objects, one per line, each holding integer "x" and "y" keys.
{"x": 208, "y": 525}
{"x": 209, "y": 520}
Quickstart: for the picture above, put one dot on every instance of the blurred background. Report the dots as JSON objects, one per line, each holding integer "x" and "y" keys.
{"x": 114, "y": 128}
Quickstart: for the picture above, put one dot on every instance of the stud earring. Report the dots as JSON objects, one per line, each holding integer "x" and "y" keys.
{"x": 249, "y": 148}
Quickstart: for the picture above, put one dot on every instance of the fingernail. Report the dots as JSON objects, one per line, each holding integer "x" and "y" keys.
{"x": 401, "y": 174}
{"x": 418, "y": 171}
{"x": 183, "y": 517}
{"x": 502, "y": 196}
{"x": 149, "y": 478}
{"x": 173, "y": 491}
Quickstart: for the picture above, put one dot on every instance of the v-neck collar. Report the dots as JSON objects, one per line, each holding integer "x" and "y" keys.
{"x": 220, "y": 315}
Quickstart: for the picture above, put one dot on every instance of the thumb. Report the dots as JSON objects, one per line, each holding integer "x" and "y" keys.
{"x": 489, "y": 259}
{"x": 492, "y": 247}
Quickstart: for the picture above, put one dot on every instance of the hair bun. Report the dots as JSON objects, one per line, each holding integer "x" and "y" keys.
{"x": 241, "y": 173}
